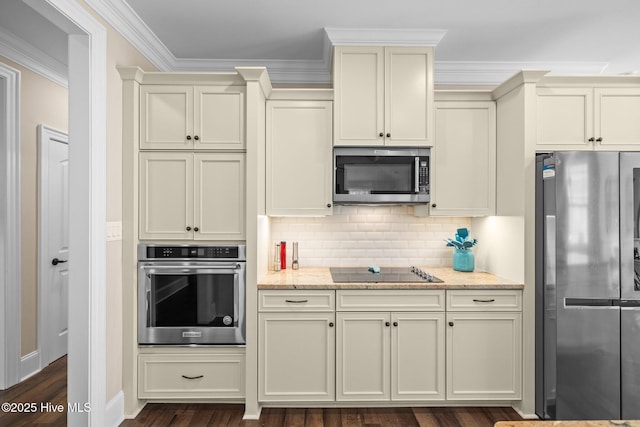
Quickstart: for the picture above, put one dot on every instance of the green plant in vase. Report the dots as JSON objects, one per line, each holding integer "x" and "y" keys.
{"x": 463, "y": 258}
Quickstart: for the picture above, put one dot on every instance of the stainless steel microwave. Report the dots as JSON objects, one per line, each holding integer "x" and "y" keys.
{"x": 380, "y": 175}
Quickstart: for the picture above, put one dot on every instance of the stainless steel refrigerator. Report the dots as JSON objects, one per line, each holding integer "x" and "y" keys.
{"x": 587, "y": 286}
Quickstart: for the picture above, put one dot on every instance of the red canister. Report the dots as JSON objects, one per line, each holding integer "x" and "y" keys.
{"x": 283, "y": 255}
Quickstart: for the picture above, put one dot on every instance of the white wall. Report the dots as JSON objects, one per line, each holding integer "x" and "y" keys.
{"x": 368, "y": 235}
{"x": 501, "y": 246}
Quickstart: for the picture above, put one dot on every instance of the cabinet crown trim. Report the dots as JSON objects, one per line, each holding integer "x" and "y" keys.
{"x": 385, "y": 36}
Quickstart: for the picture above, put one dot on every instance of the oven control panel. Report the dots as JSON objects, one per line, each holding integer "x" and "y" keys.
{"x": 192, "y": 252}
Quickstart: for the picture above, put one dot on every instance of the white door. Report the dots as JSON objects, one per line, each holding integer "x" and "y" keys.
{"x": 54, "y": 243}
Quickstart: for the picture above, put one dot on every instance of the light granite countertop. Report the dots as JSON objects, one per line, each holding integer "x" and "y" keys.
{"x": 532, "y": 423}
{"x": 320, "y": 278}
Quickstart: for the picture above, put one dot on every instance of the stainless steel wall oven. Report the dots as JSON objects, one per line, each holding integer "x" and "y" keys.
{"x": 191, "y": 294}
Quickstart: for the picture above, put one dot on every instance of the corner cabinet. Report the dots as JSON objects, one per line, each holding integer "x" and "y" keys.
{"x": 463, "y": 163}
{"x": 299, "y": 157}
{"x": 191, "y": 196}
{"x": 484, "y": 345}
{"x": 383, "y": 96}
{"x": 588, "y": 118}
{"x": 183, "y": 117}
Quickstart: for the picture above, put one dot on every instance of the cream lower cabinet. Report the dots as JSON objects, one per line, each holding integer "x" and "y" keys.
{"x": 214, "y": 374}
{"x": 191, "y": 196}
{"x": 296, "y": 345}
{"x": 484, "y": 345}
{"x": 463, "y": 163}
{"x": 385, "y": 356}
{"x": 299, "y": 157}
{"x": 390, "y": 355}
{"x": 588, "y": 118}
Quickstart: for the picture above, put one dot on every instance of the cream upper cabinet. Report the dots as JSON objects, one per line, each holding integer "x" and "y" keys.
{"x": 299, "y": 157}
{"x": 178, "y": 117}
{"x": 484, "y": 346}
{"x": 219, "y": 212}
{"x": 166, "y": 195}
{"x": 587, "y": 118}
{"x": 463, "y": 163}
{"x": 189, "y": 196}
{"x": 383, "y": 96}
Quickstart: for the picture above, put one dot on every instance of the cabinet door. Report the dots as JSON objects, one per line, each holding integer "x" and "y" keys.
{"x": 484, "y": 356}
{"x": 299, "y": 157}
{"x": 408, "y": 96}
{"x": 417, "y": 356}
{"x": 362, "y": 359}
{"x": 463, "y": 164}
{"x": 166, "y": 195}
{"x": 296, "y": 357}
{"x": 219, "y": 196}
{"x": 166, "y": 117}
{"x": 219, "y": 117}
{"x": 617, "y": 113}
{"x": 359, "y": 95}
{"x": 565, "y": 118}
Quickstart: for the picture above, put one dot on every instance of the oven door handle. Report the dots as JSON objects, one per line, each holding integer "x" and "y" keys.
{"x": 192, "y": 269}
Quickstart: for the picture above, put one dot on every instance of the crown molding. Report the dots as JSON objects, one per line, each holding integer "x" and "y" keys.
{"x": 496, "y": 73}
{"x": 127, "y": 22}
{"x": 384, "y": 36}
{"x": 25, "y": 54}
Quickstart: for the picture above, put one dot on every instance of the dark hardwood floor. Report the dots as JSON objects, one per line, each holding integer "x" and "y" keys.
{"x": 50, "y": 386}
{"x": 214, "y": 415}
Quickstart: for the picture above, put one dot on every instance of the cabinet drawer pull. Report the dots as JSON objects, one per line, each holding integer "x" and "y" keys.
{"x": 484, "y": 300}
{"x": 302, "y": 301}
{"x": 186, "y": 377}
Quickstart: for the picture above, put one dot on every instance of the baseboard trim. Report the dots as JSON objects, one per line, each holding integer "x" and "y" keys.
{"x": 114, "y": 411}
{"x": 526, "y": 416}
{"x": 30, "y": 365}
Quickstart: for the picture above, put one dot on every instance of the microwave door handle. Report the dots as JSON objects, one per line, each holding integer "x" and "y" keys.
{"x": 417, "y": 174}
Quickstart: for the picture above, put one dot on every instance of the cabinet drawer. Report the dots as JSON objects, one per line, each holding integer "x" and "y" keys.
{"x": 191, "y": 376}
{"x": 298, "y": 300}
{"x": 390, "y": 300}
{"x": 484, "y": 300}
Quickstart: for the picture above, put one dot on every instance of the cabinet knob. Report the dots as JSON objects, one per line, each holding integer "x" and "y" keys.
{"x": 196, "y": 229}
{"x": 433, "y": 205}
{"x": 188, "y": 137}
{"x": 331, "y": 324}
{"x": 388, "y": 135}
{"x": 450, "y": 323}
{"x": 387, "y": 324}
{"x": 328, "y": 205}
{"x": 599, "y": 139}
{"x": 395, "y": 323}
{"x": 381, "y": 135}
{"x": 196, "y": 137}
{"x": 592, "y": 139}
{"x": 188, "y": 228}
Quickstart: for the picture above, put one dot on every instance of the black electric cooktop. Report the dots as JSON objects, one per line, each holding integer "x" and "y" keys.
{"x": 386, "y": 274}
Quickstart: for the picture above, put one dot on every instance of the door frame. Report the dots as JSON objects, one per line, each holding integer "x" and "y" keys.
{"x": 45, "y": 135}
{"x": 10, "y": 259}
{"x": 87, "y": 41}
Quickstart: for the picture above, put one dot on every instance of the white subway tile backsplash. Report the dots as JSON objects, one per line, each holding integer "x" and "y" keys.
{"x": 369, "y": 235}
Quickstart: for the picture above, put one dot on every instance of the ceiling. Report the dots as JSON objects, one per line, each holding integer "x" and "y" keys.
{"x": 476, "y": 42}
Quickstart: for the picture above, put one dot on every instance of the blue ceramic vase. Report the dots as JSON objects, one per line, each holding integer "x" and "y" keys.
{"x": 463, "y": 260}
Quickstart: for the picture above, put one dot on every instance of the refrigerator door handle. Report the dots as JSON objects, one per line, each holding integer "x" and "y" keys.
{"x": 591, "y": 302}
{"x": 630, "y": 303}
